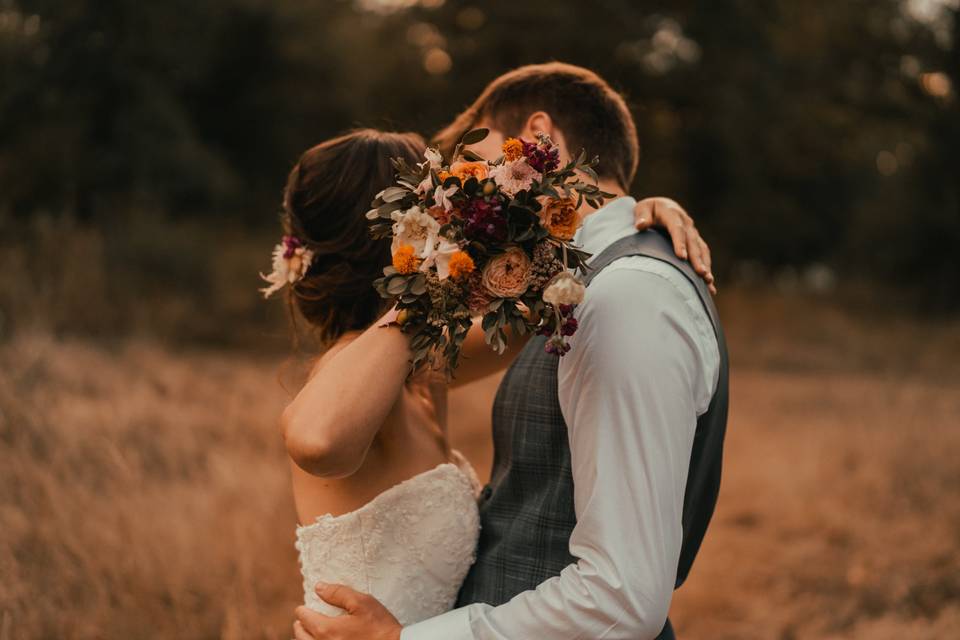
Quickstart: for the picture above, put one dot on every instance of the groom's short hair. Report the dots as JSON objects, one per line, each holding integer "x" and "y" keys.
{"x": 590, "y": 113}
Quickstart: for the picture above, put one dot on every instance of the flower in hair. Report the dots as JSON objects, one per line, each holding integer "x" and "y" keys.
{"x": 291, "y": 261}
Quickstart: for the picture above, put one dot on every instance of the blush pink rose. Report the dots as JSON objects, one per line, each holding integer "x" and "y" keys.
{"x": 508, "y": 274}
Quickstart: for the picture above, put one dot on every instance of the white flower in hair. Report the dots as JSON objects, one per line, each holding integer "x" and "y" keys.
{"x": 291, "y": 261}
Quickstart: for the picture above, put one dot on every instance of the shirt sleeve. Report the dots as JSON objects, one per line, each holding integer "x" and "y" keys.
{"x": 641, "y": 369}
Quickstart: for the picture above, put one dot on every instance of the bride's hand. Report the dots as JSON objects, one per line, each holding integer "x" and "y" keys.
{"x": 363, "y": 617}
{"x": 687, "y": 243}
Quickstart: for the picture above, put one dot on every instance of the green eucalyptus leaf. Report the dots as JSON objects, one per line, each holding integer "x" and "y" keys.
{"x": 396, "y": 285}
{"x": 418, "y": 286}
{"x": 475, "y": 136}
{"x": 392, "y": 194}
{"x": 472, "y": 156}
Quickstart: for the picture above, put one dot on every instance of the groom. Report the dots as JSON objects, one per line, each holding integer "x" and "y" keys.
{"x": 607, "y": 461}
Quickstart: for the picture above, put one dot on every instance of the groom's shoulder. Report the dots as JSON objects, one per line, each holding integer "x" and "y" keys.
{"x": 638, "y": 279}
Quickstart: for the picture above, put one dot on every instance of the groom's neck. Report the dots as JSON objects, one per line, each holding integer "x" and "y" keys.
{"x": 608, "y": 185}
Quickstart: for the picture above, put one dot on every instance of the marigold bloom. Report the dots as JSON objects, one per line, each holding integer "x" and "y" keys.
{"x": 561, "y": 218}
{"x": 443, "y": 175}
{"x": 467, "y": 170}
{"x": 405, "y": 259}
{"x": 461, "y": 265}
{"x": 512, "y": 149}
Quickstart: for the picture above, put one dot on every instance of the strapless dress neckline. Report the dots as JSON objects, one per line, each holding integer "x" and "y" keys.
{"x": 460, "y": 466}
{"x": 410, "y": 546}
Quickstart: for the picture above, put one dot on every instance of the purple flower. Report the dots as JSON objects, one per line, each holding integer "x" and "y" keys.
{"x": 485, "y": 221}
{"x": 569, "y": 327}
{"x": 290, "y": 246}
{"x": 543, "y": 158}
{"x": 557, "y": 346}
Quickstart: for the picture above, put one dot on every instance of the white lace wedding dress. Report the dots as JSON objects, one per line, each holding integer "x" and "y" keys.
{"x": 410, "y": 547}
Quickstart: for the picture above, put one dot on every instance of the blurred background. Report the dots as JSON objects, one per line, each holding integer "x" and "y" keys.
{"x": 143, "y": 149}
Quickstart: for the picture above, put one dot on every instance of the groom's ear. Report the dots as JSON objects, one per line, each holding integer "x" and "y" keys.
{"x": 542, "y": 122}
{"x": 538, "y": 122}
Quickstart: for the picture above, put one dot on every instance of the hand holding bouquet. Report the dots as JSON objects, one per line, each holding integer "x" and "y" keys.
{"x": 490, "y": 239}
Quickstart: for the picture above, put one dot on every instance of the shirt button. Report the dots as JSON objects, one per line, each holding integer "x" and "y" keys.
{"x": 486, "y": 493}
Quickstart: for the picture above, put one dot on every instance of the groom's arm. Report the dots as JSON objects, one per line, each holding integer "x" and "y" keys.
{"x": 642, "y": 368}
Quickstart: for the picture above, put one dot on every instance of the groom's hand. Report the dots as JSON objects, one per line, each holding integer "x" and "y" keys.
{"x": 363, "y": 617}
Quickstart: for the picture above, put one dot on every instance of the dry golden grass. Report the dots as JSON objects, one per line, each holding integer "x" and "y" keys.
{"x": 143, "y": 495}
{"x": 143, "y": 492}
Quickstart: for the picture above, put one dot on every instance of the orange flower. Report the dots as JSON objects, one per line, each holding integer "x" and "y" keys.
{"x": 405, "y": 260}
{"x": 467, "y": 170}
{"x": 512, "y": 149}
{"x": 461, "y": 265}
{"x": 560, "y": 217}
{"x": 443, "y": 175}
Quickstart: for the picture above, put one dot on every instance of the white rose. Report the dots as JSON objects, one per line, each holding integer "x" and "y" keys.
{"x": 414, "y": 227}
{"x": 565, "y": 288}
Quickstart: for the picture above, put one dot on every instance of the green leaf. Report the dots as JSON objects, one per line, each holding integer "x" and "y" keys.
{"x": 386, "y": 209}
{"x": 392, "y": 194}
{"x": 470, "y": 155}
{"x": 419, "y": 285}
{"x": 475, "y": 136}
{"x": 396, "y": 285}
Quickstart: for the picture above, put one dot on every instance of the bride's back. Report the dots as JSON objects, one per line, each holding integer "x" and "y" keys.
{"x": 411, "y": 440}
{"x": 399, "y": 504}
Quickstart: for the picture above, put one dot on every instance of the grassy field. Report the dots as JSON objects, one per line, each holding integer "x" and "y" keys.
{"x": 143, "y": 491}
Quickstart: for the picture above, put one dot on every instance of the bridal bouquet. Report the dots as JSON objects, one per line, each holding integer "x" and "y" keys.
{"x": 491, "y": 239}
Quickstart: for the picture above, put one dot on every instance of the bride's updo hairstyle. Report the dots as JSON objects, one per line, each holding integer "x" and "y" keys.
{"x": 328, "y": 193}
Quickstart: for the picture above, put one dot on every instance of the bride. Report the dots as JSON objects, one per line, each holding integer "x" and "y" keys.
{"x": 386, "y": 506}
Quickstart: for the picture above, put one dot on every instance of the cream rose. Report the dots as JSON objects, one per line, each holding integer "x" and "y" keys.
{"x": 414, "y": 227}
{"x": 565, "y": 288}
{"x": 507, "y": 275}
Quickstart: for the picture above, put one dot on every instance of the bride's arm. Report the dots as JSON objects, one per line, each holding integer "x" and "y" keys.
{"x": 478, "y": 360}
{"x": 329, "y": 427}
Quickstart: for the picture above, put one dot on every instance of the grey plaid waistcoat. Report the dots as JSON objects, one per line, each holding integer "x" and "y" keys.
{"x": 526, "y": 511}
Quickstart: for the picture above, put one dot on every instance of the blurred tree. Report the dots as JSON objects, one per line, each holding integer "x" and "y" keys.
{"x": 798, "y": 132}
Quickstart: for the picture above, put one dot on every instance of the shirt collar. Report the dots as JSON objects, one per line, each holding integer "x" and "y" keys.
{"x": 605, "y": 226}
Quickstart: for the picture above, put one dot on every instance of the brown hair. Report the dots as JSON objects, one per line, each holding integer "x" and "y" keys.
{"x": 329, "y": 190}
{"x": 590, "y": 113}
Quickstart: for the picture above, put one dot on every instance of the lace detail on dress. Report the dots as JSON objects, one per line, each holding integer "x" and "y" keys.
{"x": 410, "y": 547}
